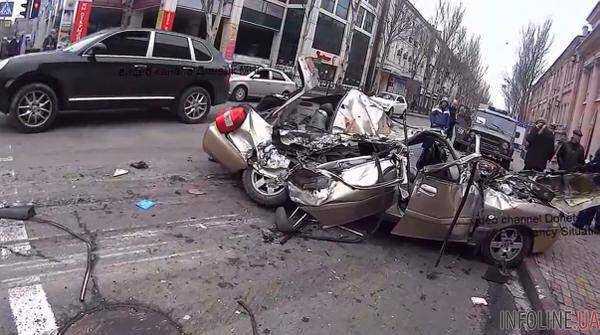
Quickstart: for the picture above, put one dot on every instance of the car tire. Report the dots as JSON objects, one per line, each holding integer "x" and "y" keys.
{"x": 254, "y": 186}
{"x": 46, "y": 108}
{"x": 495, "y": 252}
{"x": 193, "y": 105}
{"x": 239, "y": 93}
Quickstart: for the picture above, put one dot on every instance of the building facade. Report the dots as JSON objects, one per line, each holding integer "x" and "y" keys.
{"x": 568, "y": 93}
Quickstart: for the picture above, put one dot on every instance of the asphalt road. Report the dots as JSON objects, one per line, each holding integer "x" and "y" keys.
{"x": 192, "y": 257}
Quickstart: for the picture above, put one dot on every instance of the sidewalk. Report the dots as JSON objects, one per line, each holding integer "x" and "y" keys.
{"x": 570, "y": 271}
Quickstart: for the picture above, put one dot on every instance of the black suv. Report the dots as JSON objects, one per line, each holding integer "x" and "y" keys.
{"x": 114, "y": 68}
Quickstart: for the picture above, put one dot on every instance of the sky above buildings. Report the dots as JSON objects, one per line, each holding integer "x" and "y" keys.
{"x": 499, "y": 23}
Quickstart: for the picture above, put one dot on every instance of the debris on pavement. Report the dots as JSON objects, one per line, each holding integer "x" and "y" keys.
{"x": 251, "y": 314}
{"x": 479, "y": 301}
{"x": 120, "y": 172}
{"x": 145, "y": 204}
{"x": 196, "y": 191}
{"x": 305, "y": 319}
{"x": 140, "y": 165}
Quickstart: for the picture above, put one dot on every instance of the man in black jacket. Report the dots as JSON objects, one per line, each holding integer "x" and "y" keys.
{"x": 570, "y": 155}
{"x": 540, "y": 148}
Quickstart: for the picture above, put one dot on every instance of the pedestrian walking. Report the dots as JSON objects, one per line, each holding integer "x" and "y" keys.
{"x": 587, "y": 217}
{"x": 570, "y": 155}
{"x": 453, "y": 109}
{"x": 50, "y": 41}
{"x": 540, "y": 147}
{"x": 439, "y": 118}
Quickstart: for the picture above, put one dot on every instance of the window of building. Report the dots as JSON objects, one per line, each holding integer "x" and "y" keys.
{"x": 254, "y": 41}
{"x": 201, "y": 52}
{"x": 360, "y": 17}
{"x": 171, "y": 46}
{"x": 356, "y": 58}
{"x": 369, "y": 21}
{"x": 290, "y": 36}
{"x": 328, "y": 5}
{"x": 102, "y": 18}
{"x": 341, "y": 9}
{"x": 129, "y": 43}
{"x": 328, "y": 34}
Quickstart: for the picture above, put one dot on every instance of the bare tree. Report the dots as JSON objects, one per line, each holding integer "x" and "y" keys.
{"x": 212, "y": 25}
{"x": 535, "y": 43}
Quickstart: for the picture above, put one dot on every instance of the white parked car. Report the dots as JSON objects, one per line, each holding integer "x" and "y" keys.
{"x": 393, "y": 104}
{"x": 259, "y": 83}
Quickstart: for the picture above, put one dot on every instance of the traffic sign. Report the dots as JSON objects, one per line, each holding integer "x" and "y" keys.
{"x": 6, "y": 9}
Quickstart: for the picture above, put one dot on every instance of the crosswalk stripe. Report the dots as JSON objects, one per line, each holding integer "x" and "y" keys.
{"x": 30, "y": 308}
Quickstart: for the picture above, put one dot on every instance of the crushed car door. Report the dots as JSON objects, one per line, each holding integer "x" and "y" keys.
{"x": 435, "y": 197}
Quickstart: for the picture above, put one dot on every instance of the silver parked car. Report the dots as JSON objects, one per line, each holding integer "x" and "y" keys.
{"x": 259, "y": 83}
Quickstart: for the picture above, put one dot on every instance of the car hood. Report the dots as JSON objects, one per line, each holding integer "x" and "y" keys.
{"x": 40, "y": 57}
{"x": 357, "y": 114}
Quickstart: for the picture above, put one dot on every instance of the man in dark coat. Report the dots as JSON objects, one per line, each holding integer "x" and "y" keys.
{"x": 570, "y": 155}
{"x": 586, "y": 217}
{"x": 540, "y": 147}
{"x": 50, "y": 41}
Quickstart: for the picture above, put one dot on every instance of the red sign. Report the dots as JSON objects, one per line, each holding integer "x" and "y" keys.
{"x": 82, "y": 20}
{"x": 167, "y": 20}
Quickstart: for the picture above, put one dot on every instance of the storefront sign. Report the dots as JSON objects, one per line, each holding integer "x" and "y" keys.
{"x": 325, "y": 57}
{"x": 82, "y": 19}
{"x": 166, "y": 15}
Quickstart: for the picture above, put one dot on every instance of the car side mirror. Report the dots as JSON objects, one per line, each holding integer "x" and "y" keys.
{"x": 97, "y": 48}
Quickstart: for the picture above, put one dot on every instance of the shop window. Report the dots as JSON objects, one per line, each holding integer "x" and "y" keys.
{"x": 171, "y": 46}
{"x": 129, "y": 43}
{"x": 201, "y": 52}
{"x": 253, "y": 41}
{"x": 102, "y": 18}
{"x": 328, "y": 34}
{"x": 356, "y": 59}
{"x": 290, "y": 36}
{"x": 326, "y": 72}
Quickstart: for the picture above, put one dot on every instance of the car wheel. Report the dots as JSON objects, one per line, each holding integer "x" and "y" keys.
{"x": 33, "y": 108}
{"x": 263, "y": 190}
{"x": 508, "y": 245}
{"x": 194, "y": 105}
{"x": 240, "y": 93}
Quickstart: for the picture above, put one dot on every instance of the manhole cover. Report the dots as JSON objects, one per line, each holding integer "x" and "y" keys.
{"x": 122, "y": 319}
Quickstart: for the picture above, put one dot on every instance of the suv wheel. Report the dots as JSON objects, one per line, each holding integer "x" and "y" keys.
{"x": 193, "y": 105}
{"x": 508, "y": 245}
{"x": 33, "y": 108}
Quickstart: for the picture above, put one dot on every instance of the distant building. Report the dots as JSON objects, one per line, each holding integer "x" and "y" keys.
{"x": 568, "y": 93}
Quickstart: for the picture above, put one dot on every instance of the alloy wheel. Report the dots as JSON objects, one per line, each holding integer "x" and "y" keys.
{"x": 196, "y": 105}
{"x": 265, "y": 185}
{"x": 34, "y": 108}
{"x": 240, "y": 94}
{"x": 506, "y": 244}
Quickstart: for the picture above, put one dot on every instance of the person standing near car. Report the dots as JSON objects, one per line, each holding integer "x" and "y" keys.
{"x": 453, "y": 109}
{"x": 439, "y": 118}
{"x": 540, "y": 147}
{"x": 570, "y": 155}
{"x": 50, "y": 41}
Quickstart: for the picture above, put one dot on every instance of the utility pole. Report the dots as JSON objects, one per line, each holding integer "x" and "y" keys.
{"x": 378, "y": 36}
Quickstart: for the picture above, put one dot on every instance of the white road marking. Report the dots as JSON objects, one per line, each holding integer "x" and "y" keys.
{"x": 30, "y": 308}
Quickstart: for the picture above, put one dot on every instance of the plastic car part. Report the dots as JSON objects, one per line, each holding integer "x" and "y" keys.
{"x": 231, "y": 120}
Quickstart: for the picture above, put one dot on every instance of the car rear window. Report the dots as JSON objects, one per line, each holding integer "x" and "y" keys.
{"x": 171, "y": 46}
{"x": 127, "y": 43}
{"x": 201, "y": 52}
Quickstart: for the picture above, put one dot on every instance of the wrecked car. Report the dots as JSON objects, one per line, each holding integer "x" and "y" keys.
{"x": 266, "y": 142}
{"x": 468, "y": 199}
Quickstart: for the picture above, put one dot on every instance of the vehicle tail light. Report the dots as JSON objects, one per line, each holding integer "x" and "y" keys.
{"x": 231, "y": 120}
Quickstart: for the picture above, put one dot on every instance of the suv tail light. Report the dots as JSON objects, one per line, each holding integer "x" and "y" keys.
{"x": 231, "y": 120}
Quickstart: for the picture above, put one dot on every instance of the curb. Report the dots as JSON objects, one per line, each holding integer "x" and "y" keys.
{"x": 538, "y": 292}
